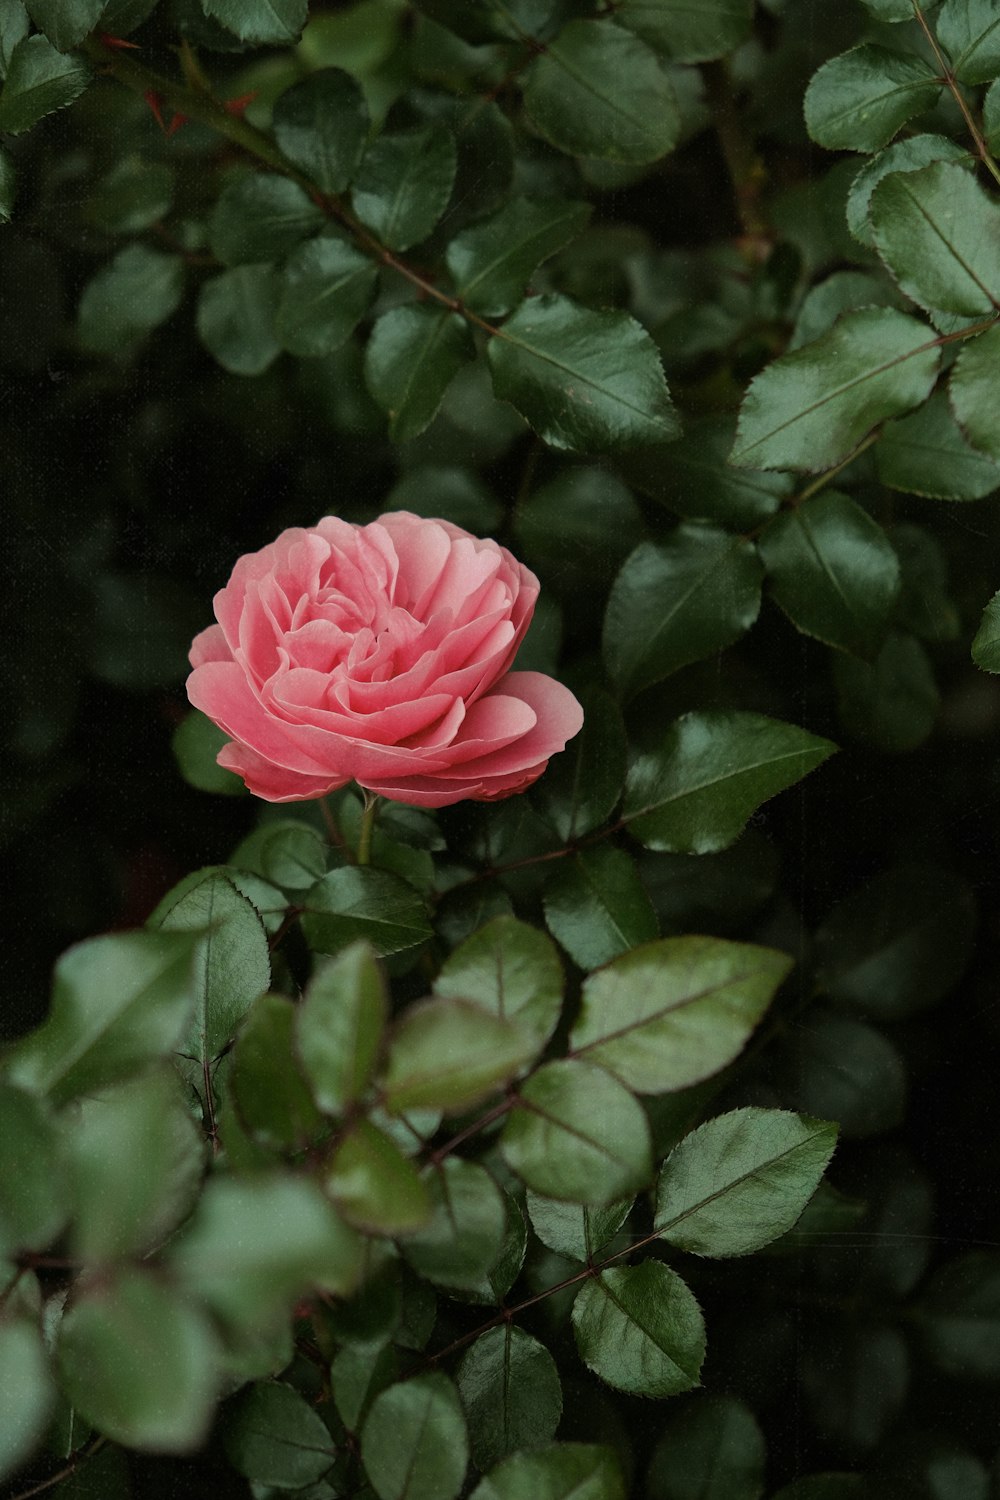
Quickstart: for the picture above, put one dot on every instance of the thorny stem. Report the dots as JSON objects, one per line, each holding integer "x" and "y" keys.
{"x": 948, "y": 78}
{"x": 745, "y": 168}
{"x": 63, "y": 1473}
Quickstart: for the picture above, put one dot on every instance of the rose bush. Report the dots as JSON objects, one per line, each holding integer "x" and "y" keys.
{"x": 379, "y": 654}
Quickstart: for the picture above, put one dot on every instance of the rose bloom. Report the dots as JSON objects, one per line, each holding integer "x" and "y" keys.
{"x": 379, "y": 654}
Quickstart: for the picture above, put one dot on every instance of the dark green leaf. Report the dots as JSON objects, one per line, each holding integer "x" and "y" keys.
{"x": 598, "y": 91}
{"x": 991, "y": 117}
{"x": 562, "y": 1471}
{"x": 582, "y": 786}
{"x": 138, "y": 1360}
{"x": 412, "y": 357}
{"x": 285, "y": 852}
{"x": 457, "y": 494}
{"x": 374, "y": 1185}
{"x": 900, "y": 943}
{"x": 236, "y": 318}
{"x": 809, "y": 409}
{"x": 273, "y": 1436}
{"x": 973, "y": 388}
{"x": 492, "y": 263}
{"x": 34, "y": 1203}
{"x": 678, "y": 601}
{"x": 842, "y": 292}
{"x": 65, "y": 22}
{"x": 578, "y": 528}
{"x": 640, "y": 1329}
{"x": 326, "y": 288}
{"x": 361, "y": 903}
{"x": 414, "y": 1443}
{"x": 925, "y": 605}
{"x": 119, "y": 1003}
{"x": 892, "y": 702}
{"x": 511, "y": 1392}
{"x": 254, "y": 1245}
{"x": 404, "y": 184}
{"x": 14, "y": 26}
{"x": 958, "y": 1316}
{"x": 714, "y": 1450}
{"x": 586, "y": 381}
{"x": 969, "y": 32}
{"x": 357, "y": 1375}
{"x": 260, "y": 216}
{"x": 136, "y": 1159}
{"x": 196, "y": 742}
{"x": 27, "y": 1391}
{"x": 321, "y": 124}
{"x": 847, "y": 1071}
{"x": 8, "y": 188}
{"x": 907, "y": 155}
{"x": 687, "y": 33}
{"x": 674, "y": 1012}
{"x": 857, "y": 101}
{"x": 39, "y": 81}
{"x": 128, "y": 298}
{"x": 133, "y": 196}
{"x": 939, "y": 234}
{"x": 596, "y": 906}
{"x": 266, "y": 22}
{"x": 575, "y": 1230}
{"x": 695, "y": 480}
{"x": 507, "y": 1267}
{"x": 449, "y": 1054}
{"x": 741, "y": 1180}
{"x": 232, "y": 962}
{"x": 696, "y": 794}
{"x": 986, "y": 645}
{"x": 511, "y": 970}
{"x": 462, "y": 1240}
{"x": 339, "y": 1027}
{"x": 576, "y": 1133}
{"x": 833, "y": 571}
{"x": 271, "y": 1094}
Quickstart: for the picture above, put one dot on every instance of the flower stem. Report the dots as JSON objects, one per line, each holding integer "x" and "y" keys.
{"x": 367, "y": 826}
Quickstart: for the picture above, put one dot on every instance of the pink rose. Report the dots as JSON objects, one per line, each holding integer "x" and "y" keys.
{"x": 379, "y": 654}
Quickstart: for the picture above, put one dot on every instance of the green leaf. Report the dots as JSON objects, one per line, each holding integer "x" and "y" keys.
{"x": 119, "y": 1003}
{"x": 236, "y": 318}
{"x": 34, "y": 1203}
{"x": 136, "y": 1160}
{"x": 586, "y": 381}
{"x": 972, "y": 389}
{"x": 507, "y": 1267}
{"x": 137, "y": 1358}
{"x": 375, "y": 1186}
{"x": 326, "y": 288}
{"x": 404, "y": 184}
{"x": 640, "y": 1329}
{"x": 847, "y": 1071}
{"x": 465, "y": 1234}
{"x": 321, "y": 124}
{"x": 128, "y": 298}
{"x": 891, "y": 702}
{"x": 66, "y": 22}
{"x": 260, "y": 216}
{"x": 741, "y": 1180}
{"x": 8, "y": 188}
{"x": 39, "y": 81}
{"x": 285, "y": 852}
{"x": 511, "y": 970}
{"x": 576, "y": 1133}
{"x": 357, "y": 1375}
{"x": 582, "y": 786}
{"x": 596, "y": 906}
{"x": 414, "y": 1444}
{"x": 695, "y": 481}
{"x": 925, "y": 605}
{"x": 232, "y": 961}
{"x": 986, "y": 645}
{"x": 256, "y": 1244}
{"x": 809, "y": 409}
{"x": 449, "y": 1054}
{"x": 269, "y": 1089}
{"x": 14, "y": 26}
{"x": 833, "y": 571}
{"x": 132, "y": 196}
{"x": 575, "y": 1230}
{"x": 511, "y": 1392}
{"x": 939, "y": 234}
{"x": 958, "y": 1316}
{"x": 598, "y": 91}
{"x": 907, "y": 155}
{"x": 492, "y": 263}
{"x": 272, "y": 23}
{"x": 991, "y": 117}
{"x": 412, "y": 357}
{"x": 274, "y": 1437}
{"x": 195, "y": 743}
{"x": 678, "y": 601}
{"x": 687, "y": 33}
{"x": 339, "y": 1027}
{"x": 857, "y": 101}
{"x": 676, "y": 1011}
{"x": 698, "y": 791}
{"x": 969, "y": 32}
{"x": 899, "y": 943}
{"x": 713, "y": 1450}
{"x": 562, "y": 1471}
{"x": 578, "y": 528}
{"x": 842, "y": 292}
{"x": 359, "y": 902}
{"x": 27, "y": 1393}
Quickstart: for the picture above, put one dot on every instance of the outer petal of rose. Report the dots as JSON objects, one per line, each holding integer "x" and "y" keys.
{"x": 221, "y": 691}
{"x": 274, "y": 783}
{"x": 209, "y": 645}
